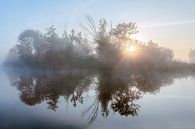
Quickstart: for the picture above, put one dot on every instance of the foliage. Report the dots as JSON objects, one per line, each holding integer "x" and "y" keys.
{"x": 72, "y": 50}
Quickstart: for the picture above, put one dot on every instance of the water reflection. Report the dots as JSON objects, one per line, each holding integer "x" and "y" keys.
{"x": 39, "y": 87}
{"x": 115, "y": 91}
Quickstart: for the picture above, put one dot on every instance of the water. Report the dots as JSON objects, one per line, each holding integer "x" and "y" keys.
{"x": 80, "y": 99}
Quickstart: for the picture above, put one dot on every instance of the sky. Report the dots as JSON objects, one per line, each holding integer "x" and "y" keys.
{"x": 170, "y": 23}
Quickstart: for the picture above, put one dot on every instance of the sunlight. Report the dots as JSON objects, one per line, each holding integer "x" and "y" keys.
{"x": 132, "y": 48}
{"x": 131, "y": 51}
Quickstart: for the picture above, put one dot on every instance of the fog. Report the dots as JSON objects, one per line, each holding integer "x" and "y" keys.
{"x": 44, "y": 66}
{"x": 191, "y": 55}
{"x": 106, "y": 47}
{"x": 92, "y": 64}
{"x": 115, "y": 90}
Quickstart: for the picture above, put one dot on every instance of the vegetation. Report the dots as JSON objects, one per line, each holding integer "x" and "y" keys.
{"x": 122, "y": 68}
{"x": 107, "y": 49}
{"x": 191, "y": 55}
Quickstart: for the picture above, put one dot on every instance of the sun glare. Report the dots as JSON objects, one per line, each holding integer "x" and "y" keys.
{"x": 132, "y": 48}
{"x": 131, "y": 51}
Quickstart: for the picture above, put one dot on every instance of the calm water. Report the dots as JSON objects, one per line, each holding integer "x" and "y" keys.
{"x": 79, "y": 99}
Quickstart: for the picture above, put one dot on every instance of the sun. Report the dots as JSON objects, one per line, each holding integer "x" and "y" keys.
{"x": 131, "y": 51}
{"x": 131, "y": 48}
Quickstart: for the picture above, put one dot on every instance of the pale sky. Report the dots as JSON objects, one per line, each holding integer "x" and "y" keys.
{"x": 170, "y": 23}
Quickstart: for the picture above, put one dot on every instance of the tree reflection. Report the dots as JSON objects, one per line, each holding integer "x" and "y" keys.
{"x": 115, "y": 91}
{"x": 39, "y": 87}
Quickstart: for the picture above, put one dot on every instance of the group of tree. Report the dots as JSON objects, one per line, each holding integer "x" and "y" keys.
{"x": 122, "y": 76}
{"x": 104, "y": 48}
{"x": 49, "y": 50}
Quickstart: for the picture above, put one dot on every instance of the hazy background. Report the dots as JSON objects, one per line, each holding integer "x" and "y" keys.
{"x": 170, "y": 23}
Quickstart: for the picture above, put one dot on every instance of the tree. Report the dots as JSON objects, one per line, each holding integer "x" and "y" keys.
{"x": 123, "y": 32}
{"x": 29, "y": 46}
{"x": 191, "y": 55}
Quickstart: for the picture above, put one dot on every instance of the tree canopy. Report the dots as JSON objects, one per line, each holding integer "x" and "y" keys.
{"x": 107, "y": 49}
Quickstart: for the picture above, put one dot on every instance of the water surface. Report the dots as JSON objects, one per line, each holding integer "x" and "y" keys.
{"x": 79, "y": 99}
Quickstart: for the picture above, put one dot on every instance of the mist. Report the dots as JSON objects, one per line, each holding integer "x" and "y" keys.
{"x": 106, "y": 47}
{"x": 44, "y": 66}
{"x": 94, "y": 64}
